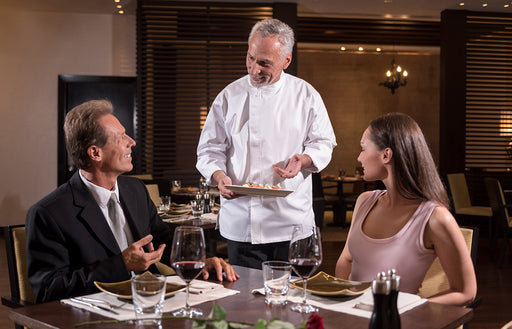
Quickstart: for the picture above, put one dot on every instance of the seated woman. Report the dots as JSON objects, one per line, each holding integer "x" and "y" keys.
{"x": 407, "y": 225}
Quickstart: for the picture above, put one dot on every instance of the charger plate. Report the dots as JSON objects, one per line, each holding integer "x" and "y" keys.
{"x": 123, "y": 289}
{"x": 327, "y": 285}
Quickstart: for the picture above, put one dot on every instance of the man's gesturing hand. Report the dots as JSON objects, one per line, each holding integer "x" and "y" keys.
{"x": 136, "y": 259}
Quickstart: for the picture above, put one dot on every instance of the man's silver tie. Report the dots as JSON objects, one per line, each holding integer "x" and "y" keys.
{"x": 117, "y": 225}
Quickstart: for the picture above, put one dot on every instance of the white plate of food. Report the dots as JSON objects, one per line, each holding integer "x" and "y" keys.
{"x": 261, "y": 190}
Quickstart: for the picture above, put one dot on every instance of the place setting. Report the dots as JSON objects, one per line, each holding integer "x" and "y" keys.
{"x": 145, "y": 297}
{"x": 305, "y": 293}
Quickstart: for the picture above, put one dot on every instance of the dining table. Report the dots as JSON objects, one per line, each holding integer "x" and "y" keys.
{"x": 243, "y": 306}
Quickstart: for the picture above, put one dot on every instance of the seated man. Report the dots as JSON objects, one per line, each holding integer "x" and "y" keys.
{"x": 99, "y": 226}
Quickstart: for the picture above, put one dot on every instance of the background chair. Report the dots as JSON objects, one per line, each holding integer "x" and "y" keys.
{"x": 500, "y": 210}
{"x": 21, "y": 291}
{"x": 154, "y": 193}
{"x": 144, "y": 177}
{"x": 436, "y": 280}
{"x": 464, "y": 211}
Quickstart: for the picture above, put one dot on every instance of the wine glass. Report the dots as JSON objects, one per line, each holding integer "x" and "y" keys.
{"x": 305, "y": 256}
{"x": 188, "y": 257}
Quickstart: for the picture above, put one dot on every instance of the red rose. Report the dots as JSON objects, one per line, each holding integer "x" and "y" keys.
{"x": 315, "y": 321}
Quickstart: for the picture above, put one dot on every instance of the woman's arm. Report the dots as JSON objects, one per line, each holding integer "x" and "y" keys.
{"x": 445, "y": 237}
{"x": 344, "y": 264}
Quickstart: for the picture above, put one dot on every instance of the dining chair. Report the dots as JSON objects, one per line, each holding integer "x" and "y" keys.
{"x": 500, "y": 210}
{"x": 464, "y": 210}
{"x": 143, "y": 177}
{"x": 436, "y": 280}
{"x": 154, "y": 193}
{"x": 21, "y": 291}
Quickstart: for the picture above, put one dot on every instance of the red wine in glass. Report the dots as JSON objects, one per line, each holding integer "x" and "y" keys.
{"x": 305, "y": 256}
{"x": 187, "y": 257}
{"x": 188, "y": 271}
{"x": 304, "y": 267}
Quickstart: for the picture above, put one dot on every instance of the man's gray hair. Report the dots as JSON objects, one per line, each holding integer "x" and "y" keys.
{"x": 272, "y": 26}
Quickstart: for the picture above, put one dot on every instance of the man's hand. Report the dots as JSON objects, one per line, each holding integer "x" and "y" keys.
{"x": 222, "y": 179}
{"x": 219, "y": 265}
{"x": 136, "y": 259}
{"x": 295, "y": 164}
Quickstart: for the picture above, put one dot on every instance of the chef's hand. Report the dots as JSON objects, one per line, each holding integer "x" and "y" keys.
{"x": 295, "y": 164}
{"x": 222, "y": 180}
{"x": 219, "y": 266}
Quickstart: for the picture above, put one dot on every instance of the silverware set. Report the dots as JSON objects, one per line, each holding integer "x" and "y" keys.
{"x": 95, "y": 303}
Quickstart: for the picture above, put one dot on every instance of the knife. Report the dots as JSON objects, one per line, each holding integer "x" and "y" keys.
{"x": 98, "y": 307}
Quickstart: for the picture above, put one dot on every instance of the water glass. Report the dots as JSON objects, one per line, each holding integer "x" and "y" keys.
{"x": 176, "y": 185}
{"x": 165, "y": 203}
{"x": 203, "y": 186}
{"x": 276, "y": 279}
{"x": 148, "y": 293}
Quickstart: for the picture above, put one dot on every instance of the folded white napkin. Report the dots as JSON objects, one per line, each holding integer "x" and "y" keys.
{"x": 360, "y": 306}
{"x": 200, "y": 292}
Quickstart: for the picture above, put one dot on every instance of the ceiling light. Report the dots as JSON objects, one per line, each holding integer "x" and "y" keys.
{"x": 121, "y": 12}
{"x": 395, "y": 77}
{"x": 484, "y": 5}
{"x": 360, "y": 49}
{"x": 461, "y": 3}
{"x": 117, "y": 1}
{"x": 378, "y": 49}
{"x": 119, "y": 6}
{"x": 343, "y": 48}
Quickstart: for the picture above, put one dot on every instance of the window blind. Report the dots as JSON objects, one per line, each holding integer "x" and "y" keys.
{"x": 187, "y": 52}
{"x": 488, "y": 92}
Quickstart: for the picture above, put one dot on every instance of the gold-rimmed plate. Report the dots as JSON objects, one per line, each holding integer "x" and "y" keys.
{"x": 123, "y": 289}
{"x": 245, "y": 190}
{"x": 327, "y": 285}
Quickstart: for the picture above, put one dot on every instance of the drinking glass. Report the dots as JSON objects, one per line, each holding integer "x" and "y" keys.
{"x": 197, "y": 211}
{"x": 148, "y": 291}
{"x": 165, "y": 203}
{"x": 305, "y": 256}
{"x": 176, "y": 185}
{"x": 203, "y": 186}
{"x": 188, "y": 257}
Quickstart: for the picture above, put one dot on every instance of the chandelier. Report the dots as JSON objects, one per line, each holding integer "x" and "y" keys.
{"x": 395, "y": 77}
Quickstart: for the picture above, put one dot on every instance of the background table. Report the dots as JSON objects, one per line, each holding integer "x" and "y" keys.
{"x": 342, "y": 199}
{"x": 243, "y": 306}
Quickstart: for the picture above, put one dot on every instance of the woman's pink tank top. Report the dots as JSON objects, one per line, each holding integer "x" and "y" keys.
{"x": 405, "y": 251}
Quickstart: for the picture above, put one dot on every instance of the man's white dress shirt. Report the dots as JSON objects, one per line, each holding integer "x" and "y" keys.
{"x": 250, "y": 128}
{"x": 102, "y": 197}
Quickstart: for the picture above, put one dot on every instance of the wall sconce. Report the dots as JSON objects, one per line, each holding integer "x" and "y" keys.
{"x": 395, "y": 77}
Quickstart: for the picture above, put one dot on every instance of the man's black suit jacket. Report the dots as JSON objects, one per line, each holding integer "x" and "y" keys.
{"x": 70, "y": 245}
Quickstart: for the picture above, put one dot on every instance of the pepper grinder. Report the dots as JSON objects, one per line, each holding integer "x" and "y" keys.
{"x": 206, "y": 200}
{"x": 394, "y": 315}
{"x": 381, "y": 287}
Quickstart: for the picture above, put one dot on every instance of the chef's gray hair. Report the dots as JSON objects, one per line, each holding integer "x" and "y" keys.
{"x": 272, "y": 26}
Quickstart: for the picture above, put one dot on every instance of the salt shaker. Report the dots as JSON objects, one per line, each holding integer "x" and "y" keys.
{"x": 381, "y": 287}
{"x": 394, "y": 315}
